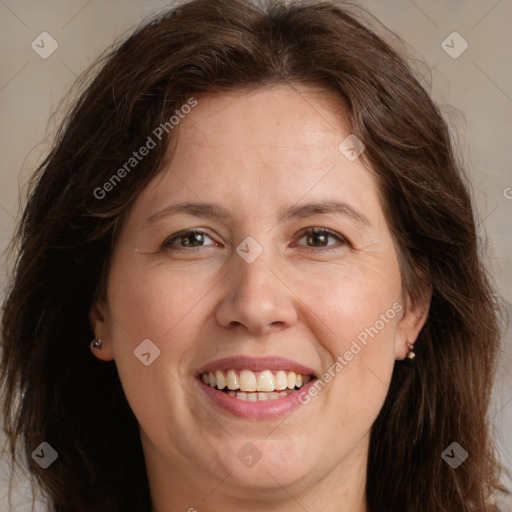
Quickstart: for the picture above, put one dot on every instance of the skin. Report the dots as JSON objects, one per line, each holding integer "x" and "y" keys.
{"x": 256, "y": 152}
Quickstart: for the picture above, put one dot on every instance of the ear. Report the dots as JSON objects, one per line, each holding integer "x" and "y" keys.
{"x": 412, "y": 321}
{"x": 98, "y": 319}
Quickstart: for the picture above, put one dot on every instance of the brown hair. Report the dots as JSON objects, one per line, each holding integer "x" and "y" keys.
{"x": 55, "y": 391}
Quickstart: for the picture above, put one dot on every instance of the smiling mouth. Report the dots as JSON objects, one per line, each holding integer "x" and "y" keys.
{"x": 255, "y": 386}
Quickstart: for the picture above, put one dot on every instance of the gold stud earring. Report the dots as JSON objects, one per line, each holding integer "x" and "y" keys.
{"x": 411, "y": 354}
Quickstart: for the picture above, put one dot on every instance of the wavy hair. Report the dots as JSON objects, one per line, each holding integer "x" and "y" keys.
{"x": 54, "y": 391}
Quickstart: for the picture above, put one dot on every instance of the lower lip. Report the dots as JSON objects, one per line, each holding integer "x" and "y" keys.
{"x": 261, "y": 410}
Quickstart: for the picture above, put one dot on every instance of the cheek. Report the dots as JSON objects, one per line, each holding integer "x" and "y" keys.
{"x": 356, "y": 304}
{"x": 157, "y": 304}
{"x": 358, "y": 314}
{"x": 164, "y": 307}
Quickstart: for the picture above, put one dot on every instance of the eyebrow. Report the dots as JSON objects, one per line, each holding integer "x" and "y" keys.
{"x": 323, "y": 208}
{"x": 210, "y": 210}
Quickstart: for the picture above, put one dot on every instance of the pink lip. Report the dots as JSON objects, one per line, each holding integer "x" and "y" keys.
{"x": 256, "y": 410}
{"x": 256, "y": 364}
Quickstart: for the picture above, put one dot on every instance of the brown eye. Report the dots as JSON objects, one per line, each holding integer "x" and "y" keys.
{"x": 319, "y": 237}
{"x": 191, "y": 238}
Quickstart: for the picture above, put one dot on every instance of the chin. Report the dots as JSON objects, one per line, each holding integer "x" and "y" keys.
{"x": 267, "y": 464}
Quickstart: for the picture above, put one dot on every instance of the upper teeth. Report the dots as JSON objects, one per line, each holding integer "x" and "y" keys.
{"x": 247, "y": 380}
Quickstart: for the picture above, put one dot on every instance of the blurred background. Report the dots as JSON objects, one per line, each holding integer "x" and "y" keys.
{"x": 461, "y": 48}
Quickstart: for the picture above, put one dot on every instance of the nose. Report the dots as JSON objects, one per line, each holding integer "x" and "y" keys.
{"x": 256, "y": 297}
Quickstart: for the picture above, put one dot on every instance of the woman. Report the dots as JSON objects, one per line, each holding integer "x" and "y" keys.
{"x": 256, "y": 215}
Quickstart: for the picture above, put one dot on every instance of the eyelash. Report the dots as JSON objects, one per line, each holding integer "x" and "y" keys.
{"x": 308, "y": 231}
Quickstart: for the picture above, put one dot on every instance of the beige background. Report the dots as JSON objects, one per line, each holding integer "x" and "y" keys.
{"x": 474, "y": 91}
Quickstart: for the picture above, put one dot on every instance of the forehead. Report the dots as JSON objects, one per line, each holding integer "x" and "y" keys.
{"x": 301, "y": 116}
{"x": 263, "y": 149}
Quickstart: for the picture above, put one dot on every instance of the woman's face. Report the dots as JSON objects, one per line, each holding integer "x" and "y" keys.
{"x": 254, "y": 295}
